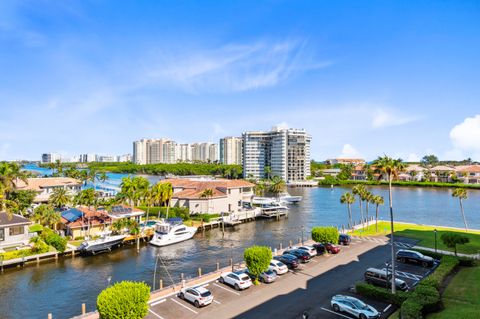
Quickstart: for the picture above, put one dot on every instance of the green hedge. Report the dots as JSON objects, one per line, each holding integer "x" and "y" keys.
{"x": 411, "y": 310}
{"x": 336, "y": 181}
{"x": 124, "y": 300}
{"x": 325, "y": 234}
{"x": 371, "y": 291}
{"x": 53, "y": 239}
{"x": 464, "y": 261}
{"x": 447, "y": 265}
{"x": 181, "y": 212}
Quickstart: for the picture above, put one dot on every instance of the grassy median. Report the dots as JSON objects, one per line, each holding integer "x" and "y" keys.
{"x": 424, "y": 234}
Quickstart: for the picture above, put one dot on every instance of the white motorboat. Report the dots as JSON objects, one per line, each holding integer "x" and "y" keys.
{"x": 171, "y": 231}
{"x": 104, "y": 243}
{"x": 263, "y": 200}
{"x": 286, "y": 197}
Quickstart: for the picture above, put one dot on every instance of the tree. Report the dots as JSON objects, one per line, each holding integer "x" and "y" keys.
{"x": 377, "y": 200}
{"x": 345, "y": 172}
{"x": 102, "y": 177}
{"x": 427, "y": 175}
{"x": 368, "y": 198}
{"x": 207, "y": 193}
{"x": 429, "y": 160}
{"x": 277, "y": 186}
{"x": 349, "y": 199}
{"x": 167, "y": 195}
{"x": 260, "y": 188}
{"x": 461, "y": 194}
{"x": 23, "y": 199}
{"x": 85, "y": 197}
{"x": 257, "y": 259}
{"x": 325, "y": 235}
{"x": 46, "y": 216}
{"x": 359, "y": 190}
{"x": 391, "y": 168}
{"x": 10, "y": 173}
{"x": 124, "y": 300}
{"x": 268, "y": 172}
{"x": 59, "y": 198}
{"x": 451, "y": 240}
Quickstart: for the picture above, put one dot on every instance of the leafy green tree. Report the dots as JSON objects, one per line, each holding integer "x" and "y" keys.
{"x": 349, "y": 199}
{"x": 390, "y": 168}
{"x": 461, "y": 194}
{"x": 268, "y": 172}
{"x": 46, "y": 215}
{"x": 277, "y": 186}
{"x": 260, "y": 188}
{"x": 124, "y": 300}
{"x": 359, "y": 190}
{"x": 429, "y": 160}
{"x": 325, "y": 235}
{"x": 59, "y": 198}
{"x": 451, "y": 240}
{"x": 207, "y": 193}
{"x": 10, "y": 174}
{"x": 39, "y": 246}
{"x": 257, "y": 259}
{"x": 54, "y": 240}
{"x": 23, "y": 199}
{"x": 345, "y": 172}
{"x": 377, "y": 200}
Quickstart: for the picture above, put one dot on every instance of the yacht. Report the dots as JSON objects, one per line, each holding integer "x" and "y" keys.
{"x": 104, "y": 243}
{"x": 171, "y": 231}
{"x": 287, "y": 198}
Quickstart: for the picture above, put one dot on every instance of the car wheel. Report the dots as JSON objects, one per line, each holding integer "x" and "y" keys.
{"x": 181, "y": 296}
{"x": 425, "y": 264}
{"x": 237, "y": 287}
{"x": 336, "y": 308}
{"x": 221, "y": 280}
{"x": 362, "y": 316}
{"x": 197, "y": 304}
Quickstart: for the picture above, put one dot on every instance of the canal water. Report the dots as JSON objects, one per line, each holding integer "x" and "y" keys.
{"x": 60, "y": 287}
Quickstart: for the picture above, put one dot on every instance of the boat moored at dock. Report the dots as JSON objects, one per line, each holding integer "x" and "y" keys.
{"x": 106, "y": 242}
{"x": 171, "y": 231}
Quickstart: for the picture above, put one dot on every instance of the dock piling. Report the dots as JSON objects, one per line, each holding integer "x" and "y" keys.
{"x": 280, "y": 246}
{"x": 218, "y": 266}
{"x": 199, "y": 272}
{"x": 161, "y": 284}
{"x": 49, "y": 316}
{"x": 84, "y": 309}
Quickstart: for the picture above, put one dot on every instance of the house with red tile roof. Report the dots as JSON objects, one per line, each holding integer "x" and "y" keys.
{"x": 44, "y": 186}
{"x": 469, "y": 174}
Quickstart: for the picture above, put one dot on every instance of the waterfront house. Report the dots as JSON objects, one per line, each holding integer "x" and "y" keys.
{"x": 359, "y": 173}
{"x": 469, "y": 174}
{"x": 82, "y": 221}
{"x": 227, "y": 195}
{"x": 345, "y": 161}
{"x": 13, "y": 230}
{"x": 413, "y": 172}
{"x": 441, "y": 173}
{"x": 331, "y": 172}
{"x": 44, "y": 186}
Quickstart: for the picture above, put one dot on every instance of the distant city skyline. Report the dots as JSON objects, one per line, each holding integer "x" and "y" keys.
{"x": 363, "y": 79}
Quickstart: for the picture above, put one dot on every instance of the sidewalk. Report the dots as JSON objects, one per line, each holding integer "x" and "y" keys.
{"x": 446, "y": 252}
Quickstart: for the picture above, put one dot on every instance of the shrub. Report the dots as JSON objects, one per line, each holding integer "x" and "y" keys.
{"x": 124, "y": 300}
{"x": 325, "y": 234}
{"x": 39, "y": 246}
{"x": 181, "y": 212}
{"x": 467, "y": 262}
{"x": 427, "y": 296}
{"x": 54, "y": 240}
{"x": 451, "y": 240}
{"x": 371, "y": 291}
{"x": 447, "y": 265}
{"x": 257, "y": 259}
{"x": 411, "y": 309}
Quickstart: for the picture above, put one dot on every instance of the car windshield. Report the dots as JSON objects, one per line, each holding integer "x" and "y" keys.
{"x": 206, "y": 294}
{"x": 280, "y": 264}
{"x": 359, "y": 304}
{"x": 244, "y": 277}
{"x": 269, "y": 272}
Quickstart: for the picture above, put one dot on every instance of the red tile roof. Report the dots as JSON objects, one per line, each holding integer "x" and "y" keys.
{"x": 37, "y": 184}
{"x": 193, "y": 189}
{"x": 91, "y": 216}
{"x": 469, "y": 169}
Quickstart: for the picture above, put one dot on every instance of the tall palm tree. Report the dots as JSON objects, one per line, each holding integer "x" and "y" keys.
{"x": 85, "y": 197}
{"x": 84, "y": 177}
{"x": 390, "y": 168}
{"x": 128, "y": 188}
{"x": 377, "y": 200}
{"x": 259, "y": 188}
{"x": 268, "y": 172}
{"x": 349, "y": 199}
{"x": 277, "y": 186}
{"x": 359, "y": 190}
{"x": 207, "y": 193}
{"x": 10, "y": 173}
{"x": 47, "y": 216}
{"x": 157, "y": 194}
{"x": 59, "y": 198}
{"x": 102, "y": 177}
{"x": 461, "y": 194}
{"x": 367, "y": 197}
{"x": 167, "y": 195}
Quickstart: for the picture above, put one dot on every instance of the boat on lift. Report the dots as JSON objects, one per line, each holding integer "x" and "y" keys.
{"x": 171, "y": 231}
{"x": 289, "y": 199}
{"x": 106, "y": 242}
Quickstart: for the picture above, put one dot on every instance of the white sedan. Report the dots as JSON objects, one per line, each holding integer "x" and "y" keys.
{"x": 278, "y": 267}
{"x": 239, "y": 280}
{"x": 199, "y": 296}
{"x": 309, "y": 249}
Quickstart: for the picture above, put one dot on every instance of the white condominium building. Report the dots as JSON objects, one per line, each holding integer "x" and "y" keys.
{"x": 286, "y": 152}
{"x": 231, "y": 150}
{"x": 50, "y": 157}
{"x": 184, "y": 153}
{"x": 155, "y": 151}
{"x": 204, "y": 152}
{"x": 88, "y": 158}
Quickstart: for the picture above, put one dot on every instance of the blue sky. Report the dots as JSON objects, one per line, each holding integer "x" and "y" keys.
{"x": 364, "y": 78}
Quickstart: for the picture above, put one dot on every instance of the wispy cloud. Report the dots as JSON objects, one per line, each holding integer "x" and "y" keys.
{"x": 385, "y": 117}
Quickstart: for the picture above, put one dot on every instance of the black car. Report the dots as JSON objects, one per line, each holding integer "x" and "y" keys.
{"x": 414, "y": 257}
{"x": 302, "y": 255}
{"x": 290, "y": 260}
{"x": 320, "y": 248}
{"x": 344, "y": 239}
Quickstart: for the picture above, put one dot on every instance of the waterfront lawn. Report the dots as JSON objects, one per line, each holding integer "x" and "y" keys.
{"x": 425, "y": 235}
{"x": 462, "y": 296}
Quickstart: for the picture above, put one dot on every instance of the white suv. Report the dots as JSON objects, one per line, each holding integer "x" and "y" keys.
{"x": 238, "y": 280}
{"x": 278, "y": 267}
{"x": 309, "y": 249}
{"x": 199, "y": 296}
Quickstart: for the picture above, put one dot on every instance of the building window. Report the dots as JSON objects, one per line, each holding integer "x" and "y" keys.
{"x": 14, "y": 231}
{"x": 2, "y": 234}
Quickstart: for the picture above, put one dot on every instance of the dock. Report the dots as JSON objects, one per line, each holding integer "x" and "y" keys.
{"x": 22, "y": 261}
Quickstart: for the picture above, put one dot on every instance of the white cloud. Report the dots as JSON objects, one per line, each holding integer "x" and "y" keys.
{"x": 348, "y": 151}
{"x": 384, "y": 117}
{"x": 466, "y": 135}
{"x": 412, "y": 157}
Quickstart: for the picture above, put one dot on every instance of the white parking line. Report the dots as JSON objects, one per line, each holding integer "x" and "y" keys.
{"x": 229, "y": 290}
{"x": 155, "y": 314}
{"x": 217, "y": 302}
{"x": 388, "y": 307}
{"x": 178, "y": 303}
{"x": 336, "y": 313}
{"x": 158, "y": 302}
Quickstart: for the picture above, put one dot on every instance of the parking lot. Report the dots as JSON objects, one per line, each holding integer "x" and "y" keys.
{"x": 306, "y": 290}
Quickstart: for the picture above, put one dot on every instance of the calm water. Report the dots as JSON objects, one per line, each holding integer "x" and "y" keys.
{"x": 61, "y": 287}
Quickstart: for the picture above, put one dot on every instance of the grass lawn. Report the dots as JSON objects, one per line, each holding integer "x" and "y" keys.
{"x": 425, "y": 234}
{"x": 462, "y": 296}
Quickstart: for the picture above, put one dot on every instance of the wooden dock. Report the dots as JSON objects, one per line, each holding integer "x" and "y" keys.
{"x": 22, "y": 261}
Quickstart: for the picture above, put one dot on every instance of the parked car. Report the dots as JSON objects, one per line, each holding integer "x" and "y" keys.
{"x": 302, "y": 255}
{"x": 414, "y": 257}
{"x": 320, "y": 248}
{"x": 332, "y": 249}
{"x": 199, "y": 296}
{"x": 239, "y": 280}
{"x": 268, "y": 276}
{"x": 278, "y": 267}
{"x": 353, "y": 306}
{"x": 309, "y": 249}
{"x": 344, "y": 239}
{"x": 289, "y": 260}
{"x": 382, "y": 278}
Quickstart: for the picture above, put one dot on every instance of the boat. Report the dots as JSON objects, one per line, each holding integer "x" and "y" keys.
{"x": 171, "y": 231}
{"x": 287, "y": 198}
{"x": 263, "y": 201}
{"x": 104, "y": 243}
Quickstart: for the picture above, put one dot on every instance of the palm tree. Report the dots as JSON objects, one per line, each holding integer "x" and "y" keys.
{"x": 268, "y": 172}
{"x": 377, "y": 200}
{"x": 86, "y": 197}
{"x": 102, "y": 177}
{"x": 10, "y": 173}
{"x": 359, "y": 190}
{"x": 47, "y": 216}
{"x": 167, "y": 195}
{"x": 84, "y": 177}
{"x": 367, "y": 197}
{"x": 349, "y": 199}
{"x": 277, "y": 186}
{"x": 259, "y": 188}
{"x": 92, "y": 176}
{"x": 461, "y": 194}
{"x": 59, "y": 198}
{"x": 391, "y": 168}
{"x": 207, "y": 193}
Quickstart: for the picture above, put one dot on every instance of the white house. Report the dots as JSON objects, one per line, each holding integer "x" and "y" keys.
{"x": 13, "y": 231}
{"x": 44, "y": 186}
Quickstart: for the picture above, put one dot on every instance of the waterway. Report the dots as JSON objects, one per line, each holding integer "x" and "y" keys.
{"x": 61, "y": 287}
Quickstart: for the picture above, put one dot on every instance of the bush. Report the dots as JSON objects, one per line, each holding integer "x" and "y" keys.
{"x": 411, "y": 309}
{"x": 427, "y": 296}
{"x": 181, "y": 212}
{"x": 467, "y": 262}
{"x": 325, "y": 234}
{"x": 257, "y": 259}
{"x": 124, "y": 300}
{"x": 54, "y": 240}
{"x": 447, "y": 265}
{"x": 371, "y": 291}
{"x": 39, "y": 246}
